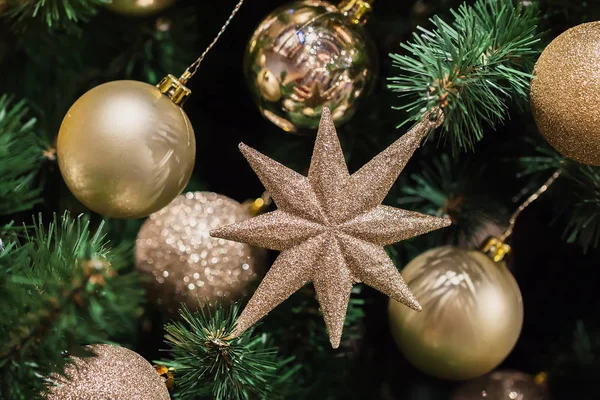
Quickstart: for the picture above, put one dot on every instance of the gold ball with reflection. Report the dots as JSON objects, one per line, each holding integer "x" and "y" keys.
{"x": 125, "y": 150}
{"x": 305, "y": 56}
{"x": 472, "y": 313}
{"x": 114, "y": 373}
{"x": 139, "y": 8}
{"x": 185, "y": 264}
{"x": 565, "y": 93}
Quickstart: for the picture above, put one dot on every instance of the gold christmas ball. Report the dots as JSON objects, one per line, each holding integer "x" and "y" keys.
{"x": 115, "y": 373}
{"x": 125, "y": 150}
{"x": 139, "y": 8}
{"x": 502, "y": 385}
{"x": 472, "y": 313}
{"x": 305, "y": 56}
{"x": 185, "y": 264}
{"x": 565, "y": 93}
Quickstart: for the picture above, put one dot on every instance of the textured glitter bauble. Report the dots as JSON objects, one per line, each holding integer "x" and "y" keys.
{"x": 115, "y": 373}
{"x": 305, "y": 56}
{"x": 140, "y": 8}
{"x": 185, "y": 264}
{"x": 472, "y": 313}
{"x": 125, "y": 150}
{"x": 502, "y": 385}
{"x": 565, "y": 93}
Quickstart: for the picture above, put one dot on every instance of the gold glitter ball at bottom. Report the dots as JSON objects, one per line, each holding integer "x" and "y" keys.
{"x": 565, "y": 93}
{"x": 185, "y": 264}
{"x": 115, "y": 373}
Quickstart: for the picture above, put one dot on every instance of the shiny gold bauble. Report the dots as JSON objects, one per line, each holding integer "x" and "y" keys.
{"x": 185, "y": 264}
{"x": 565, "y": 93}
{"x": 472, "y": 313}
{"x": 502, "y": 385}
{"x": 115, "y": 373}
{"x": 139, "y": 8}
{"x": 125, "y": 150}
{"x": 305, "y": 56}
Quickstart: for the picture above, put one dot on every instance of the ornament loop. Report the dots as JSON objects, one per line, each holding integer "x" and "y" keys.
{"x": 175, "y": 89}
{"x": 356, "y": 11}
{"x": 496, "y": 249}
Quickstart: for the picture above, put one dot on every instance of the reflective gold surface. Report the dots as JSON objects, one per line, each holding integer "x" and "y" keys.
{"x": 125, "y": 150}
{"x": 502, "y": 385}
{"x": 305, "y": 56}
{"x": 565, "y": 93}
{"x": 139, "y": 8}
{"x": 472, "y": 313}
{"x": 184, "y": 264}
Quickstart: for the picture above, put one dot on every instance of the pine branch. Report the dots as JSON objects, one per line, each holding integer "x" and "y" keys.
{"x": 209, "y": 362}
{"x": 453, "y": 187}
{"x": 62, "y": 288}
{"x": 63, "y": 14}
{"x": 576, "y": 194}
{"x": 470, "y": 68}
{"x": 297, "y": 327}
{"x": 22, "y": 152}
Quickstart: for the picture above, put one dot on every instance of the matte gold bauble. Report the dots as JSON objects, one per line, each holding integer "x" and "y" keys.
{"x": 502, "y": 385}
{"x": 565, "y": 93}
{"x": 139, "y": 8}
{"x": 115, "y": 373}
{"x": 184, "y": 264}
{"x": 305, "y": 56}
{"x": 472, "y": 313}
{"x": 125, "y": 150}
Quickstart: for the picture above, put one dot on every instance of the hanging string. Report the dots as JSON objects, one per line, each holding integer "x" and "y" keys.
{"x": 526, "y": 203}
{"x": 193, "y": 68}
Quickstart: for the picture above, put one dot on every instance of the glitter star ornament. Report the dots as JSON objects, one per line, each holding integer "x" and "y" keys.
{"x": 331, "y": 227}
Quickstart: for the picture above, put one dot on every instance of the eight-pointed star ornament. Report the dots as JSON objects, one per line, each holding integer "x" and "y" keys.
{"x": 331, "y": 227}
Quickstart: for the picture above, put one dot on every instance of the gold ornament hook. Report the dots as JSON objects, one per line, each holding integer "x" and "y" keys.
{"x": 356, "y": 11}
{"x": 175, "y": 88}
{"x": 496, "y": 248}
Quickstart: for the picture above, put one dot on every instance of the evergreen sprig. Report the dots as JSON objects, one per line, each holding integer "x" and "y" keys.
{"x": 22, "y": 152}
{"x": 582, "y": 205}
{"x": 53, "y": 14}
{"x": 61, "y": 288}
{"x": 208, "y": 361}
{"x": 470, "y": 68}
{"x": 451, "y": 186}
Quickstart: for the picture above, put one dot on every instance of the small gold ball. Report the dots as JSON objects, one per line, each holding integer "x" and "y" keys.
{"x": 472, "y": 313}
{"x": 139, "y": 8}
{"x": 115, "y": 373}
{"x": 185, "y": 264}
{"x": 125, "y": 150}
{"x": 565, "y": 93}
{"x": 501, "y": 385}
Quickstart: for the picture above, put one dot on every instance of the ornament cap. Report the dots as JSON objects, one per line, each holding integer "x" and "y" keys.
{"x": 496, "y": 249}
{"x": 356, "y": 11}
{"x": 175, "y": 89}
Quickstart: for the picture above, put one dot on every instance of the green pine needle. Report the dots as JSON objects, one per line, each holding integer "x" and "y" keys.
{"x": 55, "y": 13}
{"x": 209, "y": 362}
{"x": 470, "y": 68}
{"x": 21, "y": 152}
{"x": 61, "y": 288}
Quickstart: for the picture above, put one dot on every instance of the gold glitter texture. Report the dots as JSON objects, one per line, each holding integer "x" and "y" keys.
{"x": 330, "y": 227}
{"x": 175, "y": 249}
{"x": 565, "y": 93}
{"x": 115, "y": 373}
